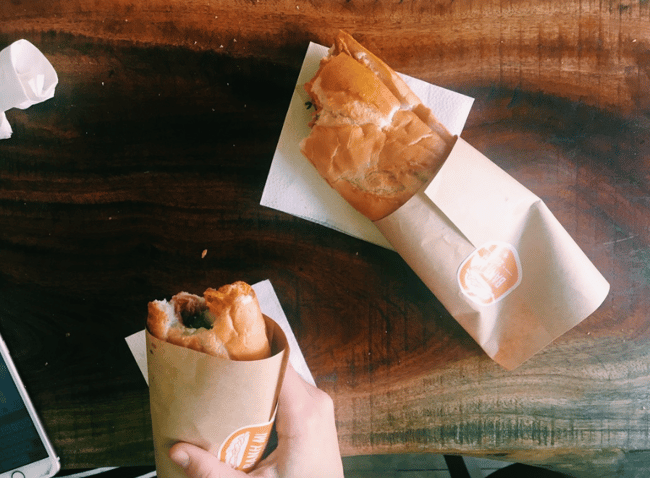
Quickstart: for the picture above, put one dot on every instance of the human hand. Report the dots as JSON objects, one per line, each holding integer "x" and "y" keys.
{"x": 307, "y": 441}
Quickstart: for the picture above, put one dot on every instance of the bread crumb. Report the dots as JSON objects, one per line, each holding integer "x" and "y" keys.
{"x": 204, "y": 253}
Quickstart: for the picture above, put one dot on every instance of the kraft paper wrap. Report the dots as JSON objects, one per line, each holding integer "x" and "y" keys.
{"x": 472, "y": 203}
{"x": 201, "y": 399}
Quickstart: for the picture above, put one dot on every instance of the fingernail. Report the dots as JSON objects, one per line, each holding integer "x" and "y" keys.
{"x": 181, "y": 458}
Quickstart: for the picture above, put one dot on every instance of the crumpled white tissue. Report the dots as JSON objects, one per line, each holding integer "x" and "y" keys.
{"x": 26, "y": 78}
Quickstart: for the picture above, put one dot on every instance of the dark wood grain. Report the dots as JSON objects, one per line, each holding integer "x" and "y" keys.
{"x": 156, "y": 147}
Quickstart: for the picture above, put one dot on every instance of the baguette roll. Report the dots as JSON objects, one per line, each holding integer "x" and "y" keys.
{"x": 226, "y": 323}
{"x": 372, "y": 139}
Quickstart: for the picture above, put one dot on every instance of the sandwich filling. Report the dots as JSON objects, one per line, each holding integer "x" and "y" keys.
{"x": 200, "y": 320}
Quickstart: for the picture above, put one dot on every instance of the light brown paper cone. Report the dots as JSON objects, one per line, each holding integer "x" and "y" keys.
{"x": 204, "y": 400}
{"x": 495, "y": 257}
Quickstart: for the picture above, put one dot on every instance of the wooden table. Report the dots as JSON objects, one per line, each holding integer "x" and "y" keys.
{"x": 157, "y": 145}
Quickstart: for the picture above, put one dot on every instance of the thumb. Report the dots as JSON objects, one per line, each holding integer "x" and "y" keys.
{"x": 198, "y": 463}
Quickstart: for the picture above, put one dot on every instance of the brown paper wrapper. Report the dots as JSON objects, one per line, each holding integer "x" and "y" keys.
{"x": 224, "y": 406}
{"x": 495, "y": 257}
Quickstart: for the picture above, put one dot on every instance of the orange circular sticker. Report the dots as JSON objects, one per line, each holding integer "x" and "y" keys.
{"x": 243, "y": 449}
{"x": 490, "y": 273}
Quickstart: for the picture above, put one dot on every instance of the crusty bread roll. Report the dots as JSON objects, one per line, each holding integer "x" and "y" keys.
{"x": 372, "y": 139}
{"x": 226, "y": 323}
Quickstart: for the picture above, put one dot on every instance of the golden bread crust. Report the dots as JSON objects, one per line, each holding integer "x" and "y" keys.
{"x": 238, "y": 329}
{"x": 240, "y": 322}
{"x": 157, "y": 320}
{"x": 372, "y": 139}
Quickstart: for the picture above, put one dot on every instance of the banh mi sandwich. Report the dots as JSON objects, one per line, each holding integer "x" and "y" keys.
{"x": 226, "y": 323}
{"x": 372, "y": 139}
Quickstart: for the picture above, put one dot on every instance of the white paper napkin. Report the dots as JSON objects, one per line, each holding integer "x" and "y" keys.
{"x": 270, "y": 306}
{"x": 26, "y": 78}
{"x": 293, "y": 184}
{"x": 5, "y": 127}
